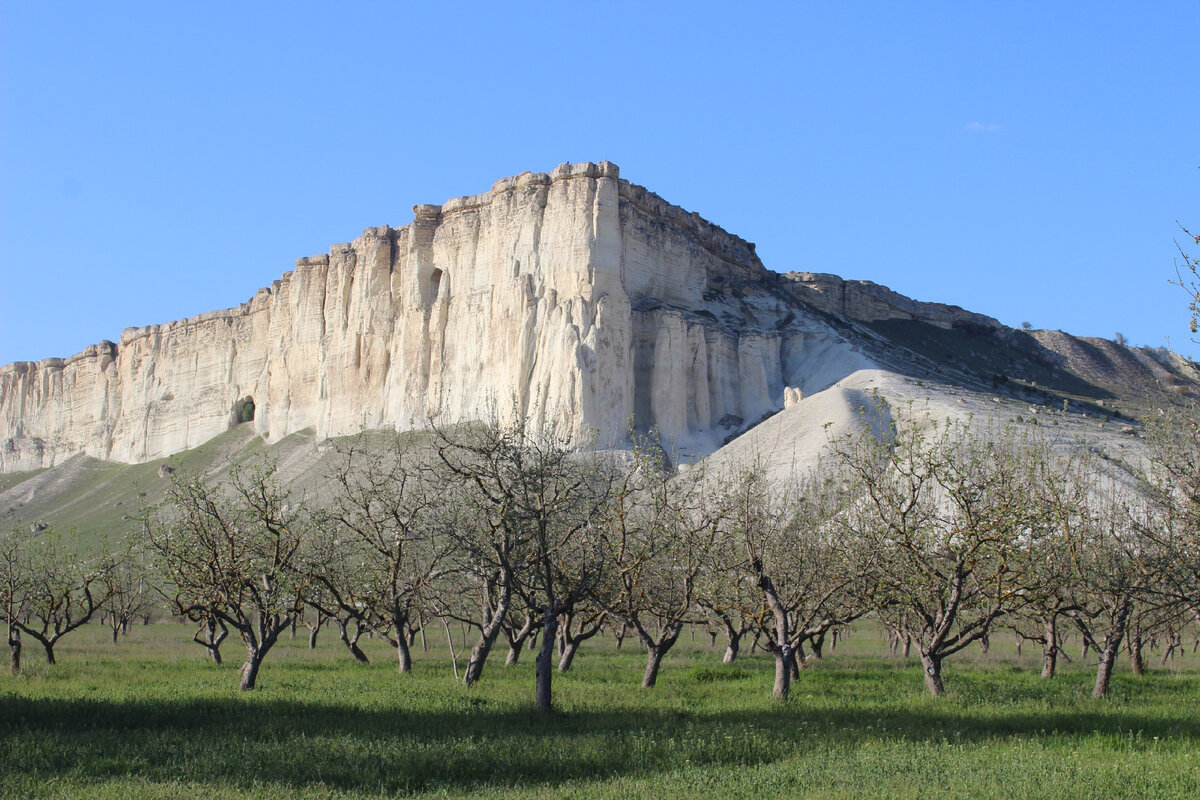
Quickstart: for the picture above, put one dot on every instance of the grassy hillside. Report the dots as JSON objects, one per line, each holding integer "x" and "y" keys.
{"x": 97, "y": 501}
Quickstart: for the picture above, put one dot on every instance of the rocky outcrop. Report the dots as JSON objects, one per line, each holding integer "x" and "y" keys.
{"x": 572, "y": 298}
{"x": 869, "y": 302}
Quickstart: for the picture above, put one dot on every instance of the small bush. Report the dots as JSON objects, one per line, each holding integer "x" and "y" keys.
{"x": 246, "y": 412}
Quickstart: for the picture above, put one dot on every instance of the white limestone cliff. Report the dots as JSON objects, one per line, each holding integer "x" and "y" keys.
{"x": 579, "y": 298}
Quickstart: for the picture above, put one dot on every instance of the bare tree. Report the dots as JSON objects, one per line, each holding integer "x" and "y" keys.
{"x": 483, "y": 462}
{"x": 658, "y": 542}
{"x": 1111, "y": 574}
{"x": 1139, "y": 571}
{"x": 1169, "y": 518}
{"x": 947, "y": 510}
{"x": 335, "y": 590}
{"x": 64, "y": 590}
{"x": 1187, "y": 273}
{"x": 538, "y": 499}
{"x": 518, "y": 633}
{"x": 233, "y": 554}
{"x": 130, "y": 589}
{"x": 14, "y": 590}
{"x": 1061, "y": 493}
{"x": 387, "y": 537}
{"x": 577, "y": 626}
{"x": 808, "y": 572}
{"x": 214, "y": 631}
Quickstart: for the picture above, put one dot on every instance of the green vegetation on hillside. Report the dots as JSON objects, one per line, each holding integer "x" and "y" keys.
{"x": 96, "y": 502}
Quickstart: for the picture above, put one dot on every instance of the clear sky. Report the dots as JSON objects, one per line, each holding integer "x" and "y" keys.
{"x": 1023, "y": 160}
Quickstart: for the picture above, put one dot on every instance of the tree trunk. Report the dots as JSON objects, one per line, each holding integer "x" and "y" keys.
{"x": 115, "y": 632}
{"x": 14, "y": 650}
{"x": 817, "y": 643}
{"x": 621, "y": 633}
{"x": 403, "y": 655}
{"x": 1136, "y": 662}
{"x": 654, "y": 656}
{"x": 731, "y": 648}
{"x": 516, "y": 639}
{"x": 907, "y": 645}
{"x": 212, "y": 640}
{"x": 1112, "y": 646}
{"x": 799, "y": 660}
{"x": 784, "y": 663}
{"x": 933, "y": 674}
{"x": 1050, "y": 647}
{"x": 1173, "y": 643}
{"x": 49, "y": 648}
{"x": 313, "y": 630}
{"x": 568, "y": 655}
{"x": 487, "y": 638}
{"x": 352, "y": 644}
{"x": 250, "y": 671}
{"x": 544, "y": 668}
{"x": 1108, "y": 659}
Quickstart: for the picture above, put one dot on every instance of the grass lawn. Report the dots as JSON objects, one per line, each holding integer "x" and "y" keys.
{"x": 151, "y": 718}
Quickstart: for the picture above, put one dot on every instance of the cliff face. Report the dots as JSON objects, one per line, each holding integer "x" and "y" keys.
{"x": 870, "y": 302}
{"x": 574, "y": 297}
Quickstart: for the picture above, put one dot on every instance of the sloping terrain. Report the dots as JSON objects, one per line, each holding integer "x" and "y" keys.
{"x": 99, "y": 501}
{"x": 574, "y": 299}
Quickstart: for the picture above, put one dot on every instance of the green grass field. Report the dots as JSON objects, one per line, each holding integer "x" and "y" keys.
{"x": 151, "y": 717}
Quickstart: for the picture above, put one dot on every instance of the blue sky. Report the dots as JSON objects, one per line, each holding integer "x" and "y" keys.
{"x": 1024, "y": 160}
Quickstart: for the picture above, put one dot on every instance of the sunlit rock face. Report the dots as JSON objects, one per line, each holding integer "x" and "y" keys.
{"x": 574, "y": 299}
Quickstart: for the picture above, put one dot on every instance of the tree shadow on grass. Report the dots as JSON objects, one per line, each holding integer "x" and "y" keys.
{"x": 302, "y": 744}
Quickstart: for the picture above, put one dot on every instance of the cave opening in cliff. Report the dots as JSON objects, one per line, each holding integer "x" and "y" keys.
{"x": 243, "y": 410}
